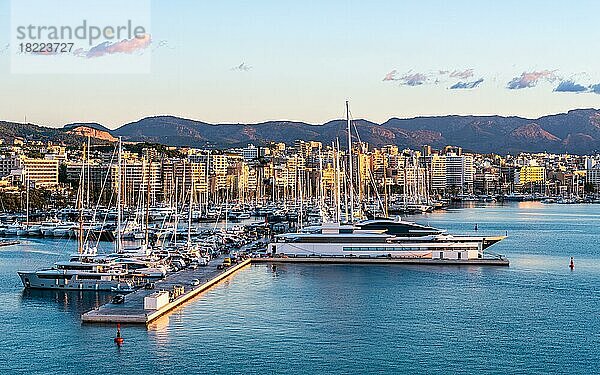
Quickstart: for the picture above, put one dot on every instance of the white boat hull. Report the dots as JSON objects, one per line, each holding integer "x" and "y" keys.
{"x": 71, "y": 282}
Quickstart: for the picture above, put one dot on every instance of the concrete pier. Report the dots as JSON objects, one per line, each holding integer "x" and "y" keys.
{"x": 132, "y": 310}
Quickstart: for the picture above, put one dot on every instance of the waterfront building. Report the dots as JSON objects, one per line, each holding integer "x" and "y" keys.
{"x": 435, "y": 165}
{"x": 592, "y": 177}
{"x": 304, "y": 169}
{"x": 42, "y": 172}
{"x": 487, "y": 181}
{"x": 176, "y": 177}
{"x": 139, "y": 180}
{"x": 530, "y": 174}
{"x": 459, "y": 172}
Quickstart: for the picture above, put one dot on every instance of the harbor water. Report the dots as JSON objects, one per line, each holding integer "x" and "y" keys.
{"x": 536, "y": 316}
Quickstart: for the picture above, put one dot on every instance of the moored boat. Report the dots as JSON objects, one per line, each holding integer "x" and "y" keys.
{"x": 381, "y": 238}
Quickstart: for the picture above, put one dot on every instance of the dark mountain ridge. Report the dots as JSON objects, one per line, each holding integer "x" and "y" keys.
{"x": 577, "y": 131}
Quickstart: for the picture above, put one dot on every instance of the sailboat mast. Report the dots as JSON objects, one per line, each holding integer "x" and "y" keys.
{"x": 351, "y": 181}
{"x": 385, "y": 196}
{"x": 27, "y": 203}
{"x": 119, "y": 184}
{"x": 207, "y": 180}
{"x": 321, "y": 191}
{"x": 146, "y": 234}
{"x": 87, "y": 175}
{"x": 189, "y": 233}
{"x": 176, "y": 224}
{"x": 80, "y": 206}
{"x": 301, "y": 191}
{"x": 338, "y": 202}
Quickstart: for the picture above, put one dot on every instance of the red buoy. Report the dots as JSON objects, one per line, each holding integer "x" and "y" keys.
{"x": 119, "y": 340}
{"x": 572, "y": 264}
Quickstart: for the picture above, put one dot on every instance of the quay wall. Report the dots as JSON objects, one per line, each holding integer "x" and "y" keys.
{"x": 348, "y": 260}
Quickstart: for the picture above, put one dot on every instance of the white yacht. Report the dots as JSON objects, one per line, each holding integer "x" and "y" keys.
{"x": 385, "y": 238}
{"x": 78, "y": 275}
{"x": 34, "y": 230}
{"x": 63, "y": 229}
{"x": 47, "y": 227}
{"x": 13, "y": 229}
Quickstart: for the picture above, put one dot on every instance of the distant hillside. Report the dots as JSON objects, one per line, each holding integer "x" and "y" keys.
{"x": 92, "y": 132}
{"x": 12, "y": 130}
{"x": 92, "y": 125}
{"x": 577, "y": 131}
{"x": 69, "y": 135}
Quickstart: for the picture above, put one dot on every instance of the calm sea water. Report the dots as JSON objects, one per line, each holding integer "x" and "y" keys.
{"x": 537, "y": 316}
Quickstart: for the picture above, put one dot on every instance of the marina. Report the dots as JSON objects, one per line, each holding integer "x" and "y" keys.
{"x": 302, "y": 188}
{"x": 163, "y": 278}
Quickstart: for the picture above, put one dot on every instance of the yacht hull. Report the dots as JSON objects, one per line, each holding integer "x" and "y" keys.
{"x": 70, "y": 282}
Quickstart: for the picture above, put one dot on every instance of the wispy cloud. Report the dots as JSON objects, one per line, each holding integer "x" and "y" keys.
{"x": 462, "y": 74}
{"x": 570, "y": 86}
{"x": 127, "y": 46}
{"x": 416, "y": 78}
{"x": 465, "y": 79}
{"x": 243, "y": 67}
{"x": 413, "y": 79}
{"x": 466, "y": 85}
{"x": 391, "y": 76}
{"x": 531, "y": 79}
{"x": 161, "y": 44}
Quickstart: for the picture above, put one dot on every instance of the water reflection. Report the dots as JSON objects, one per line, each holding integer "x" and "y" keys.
{"x": 76, "y": 302}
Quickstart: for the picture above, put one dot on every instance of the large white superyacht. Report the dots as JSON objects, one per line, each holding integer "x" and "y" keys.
{"x": 384, "y": 238}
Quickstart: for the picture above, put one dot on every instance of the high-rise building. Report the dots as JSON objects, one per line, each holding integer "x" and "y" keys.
{"x": 250, "y": 152}
{"x": 530, "y": 174}
{"x": 435, "y": 166}
{"x": 592, "y": 176}
{"x": 459, "y": 172}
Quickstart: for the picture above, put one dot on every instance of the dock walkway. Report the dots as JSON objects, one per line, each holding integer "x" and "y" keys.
{"x": 132, "y": 310}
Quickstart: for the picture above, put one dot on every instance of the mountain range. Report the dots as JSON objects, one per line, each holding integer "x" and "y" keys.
{"x": 577, "y": 131}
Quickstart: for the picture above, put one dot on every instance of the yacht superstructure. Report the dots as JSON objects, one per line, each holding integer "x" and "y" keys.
{"x": 381, "y": 238}
{"x": 79, "y": 275}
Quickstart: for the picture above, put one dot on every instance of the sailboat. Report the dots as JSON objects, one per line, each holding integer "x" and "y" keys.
{"x": 23, "y": 229}
{"x": 85, "y": 270}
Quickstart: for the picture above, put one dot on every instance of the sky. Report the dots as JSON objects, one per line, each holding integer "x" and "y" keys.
{"x": 253, "y": 61}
